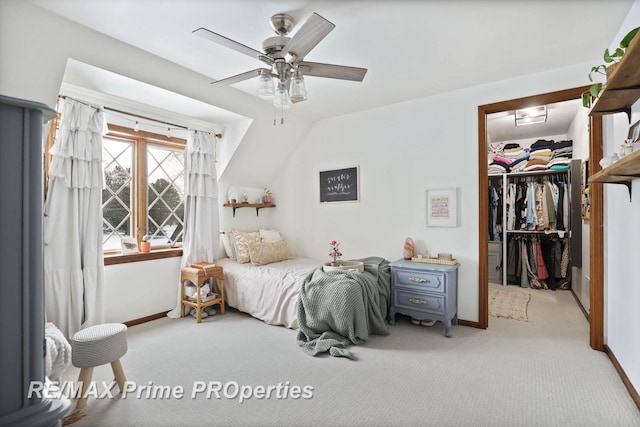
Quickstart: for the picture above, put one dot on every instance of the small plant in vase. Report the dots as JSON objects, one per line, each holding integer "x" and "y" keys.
{"x": 335, "y": 253}
{"x": 267, "y": 199}
{"x": 611, "y": 60}
{"x": 145, "y": 244}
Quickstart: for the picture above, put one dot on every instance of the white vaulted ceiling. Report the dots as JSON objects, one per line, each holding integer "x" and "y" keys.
{"x": 411, "y": 49}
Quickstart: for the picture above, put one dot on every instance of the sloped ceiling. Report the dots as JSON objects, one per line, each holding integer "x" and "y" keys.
{"x": 412, "y": 49}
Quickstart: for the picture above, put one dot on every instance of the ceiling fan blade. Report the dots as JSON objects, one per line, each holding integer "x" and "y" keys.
{"x": 240, "y": 77}
{"x": 232, "y": 44}
{"x": 307, "y": 37}
{"x": 331, "y": 71}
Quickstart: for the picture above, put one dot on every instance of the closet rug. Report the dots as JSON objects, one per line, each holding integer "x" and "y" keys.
{"x": 508, "y": 304}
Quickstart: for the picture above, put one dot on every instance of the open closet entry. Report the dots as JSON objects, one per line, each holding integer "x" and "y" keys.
{"x": 532, "y": 233}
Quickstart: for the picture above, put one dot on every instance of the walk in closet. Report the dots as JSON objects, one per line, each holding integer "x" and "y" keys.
{"x": 534, "y": 203}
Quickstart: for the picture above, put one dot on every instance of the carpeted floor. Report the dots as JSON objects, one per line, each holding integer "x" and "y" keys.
{"x": 539, "y": 373}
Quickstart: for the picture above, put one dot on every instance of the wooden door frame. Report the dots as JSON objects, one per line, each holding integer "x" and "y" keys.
{"x": 596, "y": 250}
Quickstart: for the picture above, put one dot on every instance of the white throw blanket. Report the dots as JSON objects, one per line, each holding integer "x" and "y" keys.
{"x": 58, "y": 356}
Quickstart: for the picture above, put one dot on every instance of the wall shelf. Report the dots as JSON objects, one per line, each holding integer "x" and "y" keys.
{"x": 622, "y": 89}
{"x": 258, "y": 206}
{"x": 623, "y": 171}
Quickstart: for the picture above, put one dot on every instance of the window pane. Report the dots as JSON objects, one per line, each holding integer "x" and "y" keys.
{"x": 165, "y": 201}
{"x": 117, "y": 205}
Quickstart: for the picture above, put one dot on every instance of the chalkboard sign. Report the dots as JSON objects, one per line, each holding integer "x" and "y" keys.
{"x": 339, "y": 185}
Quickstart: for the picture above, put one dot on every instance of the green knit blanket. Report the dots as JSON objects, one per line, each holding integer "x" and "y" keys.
{"x": 339, "y": 308}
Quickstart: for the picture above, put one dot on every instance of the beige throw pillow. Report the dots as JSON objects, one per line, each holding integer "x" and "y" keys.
{"x": 263, "y": 253}
{"x": 241, "y": 241}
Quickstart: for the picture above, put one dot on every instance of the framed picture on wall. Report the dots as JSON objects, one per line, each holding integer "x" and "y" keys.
{"x": 442, "y": 207}
{"x": 340, "y": 185}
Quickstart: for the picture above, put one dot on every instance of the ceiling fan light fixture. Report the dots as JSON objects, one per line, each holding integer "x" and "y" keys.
{"x": 265, "y": 86}
{"x": 281, "y": 99}
{"x": 529, "y": 116}
{"x": 298, "y": 90}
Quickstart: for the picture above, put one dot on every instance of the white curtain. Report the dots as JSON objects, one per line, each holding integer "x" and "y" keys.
{"x": 201, "y": 240}
{"x": 73, "y": 257}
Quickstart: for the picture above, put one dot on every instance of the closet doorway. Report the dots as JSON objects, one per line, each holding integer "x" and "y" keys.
{"x": 595, "y": 269}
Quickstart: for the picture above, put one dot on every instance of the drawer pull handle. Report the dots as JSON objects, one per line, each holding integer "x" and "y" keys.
{"x": 417, "y": 301}
{"x": 418, "y": 279}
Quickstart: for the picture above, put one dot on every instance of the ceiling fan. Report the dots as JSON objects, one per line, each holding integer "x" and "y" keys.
{"x": 284, "y": 57}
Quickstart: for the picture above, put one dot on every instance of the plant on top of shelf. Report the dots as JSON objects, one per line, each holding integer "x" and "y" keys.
{"x": 145, "y": 244}
{"x": 610, "y": 58}
{"x": 267, "y": 199}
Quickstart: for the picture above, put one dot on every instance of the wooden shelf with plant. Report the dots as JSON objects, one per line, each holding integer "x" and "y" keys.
{"x": 622, "y": 87}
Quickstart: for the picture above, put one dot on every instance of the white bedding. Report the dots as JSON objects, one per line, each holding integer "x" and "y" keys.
{"x": 267, "y": 292}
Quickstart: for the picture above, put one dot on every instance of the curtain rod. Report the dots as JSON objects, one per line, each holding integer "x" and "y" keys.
{"x": 217, "y": 135}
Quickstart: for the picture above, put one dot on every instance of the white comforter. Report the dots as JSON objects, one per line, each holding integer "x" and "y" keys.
{"x": 267, "y": 292}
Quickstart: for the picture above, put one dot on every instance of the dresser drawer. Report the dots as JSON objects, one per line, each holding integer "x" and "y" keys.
{"x": 421, "y": 280}
{"x": 426, "y": 303}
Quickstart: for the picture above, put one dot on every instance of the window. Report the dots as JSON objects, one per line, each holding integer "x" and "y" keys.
{"x": 144, "y": 188}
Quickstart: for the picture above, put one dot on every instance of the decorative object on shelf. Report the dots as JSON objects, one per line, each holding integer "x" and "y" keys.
{"x": 244, "y": 198}
{"x": 442, "y": 210}
{"x": 339, "y": 185}
{"x": 585, "y": 202}
{"x": 234, "y": 201}
{"x": 611, "y": 58}
{"x": 633, "y": 138}
{"x": 267, "y": 199}
{"x": 145, "y": 244}
{"x": 128, "y": 245}
{"x": 334, "y": 252}
{"x": 445, "y": 257}
{"x": 409, "y": 249}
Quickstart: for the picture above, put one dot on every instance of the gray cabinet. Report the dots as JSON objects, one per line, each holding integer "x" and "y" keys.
{"x": 495, "y": 262}
{"x": 21, "y": 267}
{"x": 424, "y": 291}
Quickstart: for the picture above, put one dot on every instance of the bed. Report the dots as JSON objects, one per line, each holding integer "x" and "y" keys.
{"x": 267, "y": 292}
{"x": 330, "y": 309}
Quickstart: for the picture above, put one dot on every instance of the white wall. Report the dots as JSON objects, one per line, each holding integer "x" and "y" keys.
{"x": 622, "y": 244}
{"x": 402, "y": 150}
{"x": 140, "y": 289}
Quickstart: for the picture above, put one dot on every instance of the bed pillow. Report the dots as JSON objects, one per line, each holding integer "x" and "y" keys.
{"x": 226, "y": 242}
{"x": 241, "y": 240}
{"x": 269, "y": 235}
{"x": 263, "y": 253}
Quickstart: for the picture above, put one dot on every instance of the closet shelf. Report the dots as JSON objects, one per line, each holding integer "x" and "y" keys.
{"x": 258, "y": 206}
{"x": 622, "y": 89}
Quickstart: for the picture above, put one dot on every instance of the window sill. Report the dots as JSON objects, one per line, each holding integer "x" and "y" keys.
{"x": 154, "y": 254}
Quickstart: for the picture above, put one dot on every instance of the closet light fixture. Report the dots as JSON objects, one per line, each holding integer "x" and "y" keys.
{"x": 529, "y": 116}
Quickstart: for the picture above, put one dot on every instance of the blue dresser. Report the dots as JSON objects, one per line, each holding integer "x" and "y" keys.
{"x": 424, "y": 291}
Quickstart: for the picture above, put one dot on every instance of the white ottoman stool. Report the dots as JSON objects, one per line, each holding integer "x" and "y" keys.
{"x": 96, "y": 346}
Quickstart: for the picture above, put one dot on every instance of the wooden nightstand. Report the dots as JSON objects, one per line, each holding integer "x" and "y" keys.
{"x": 197, "y": 276}
{"x": 424, "y": 291}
